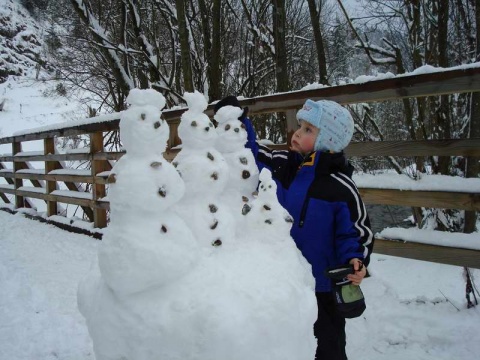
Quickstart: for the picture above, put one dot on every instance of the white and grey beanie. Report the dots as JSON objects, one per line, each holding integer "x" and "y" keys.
{"x": 334, "y": 121}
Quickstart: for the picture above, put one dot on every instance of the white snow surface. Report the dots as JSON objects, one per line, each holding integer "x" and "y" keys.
{"x": 408, "y": 315}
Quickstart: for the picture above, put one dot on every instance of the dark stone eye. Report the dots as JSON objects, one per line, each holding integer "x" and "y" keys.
{"x": 246, "y": 209}
{"x": 243, "y": 161}
{"x": 266, "y": 207}
{"x": 162, "y": 192}
{"x": 193, "y": 123}
{"x": 245, "y": 174}
{"x": 210, "y": 124}
{"x": 207, "y": 129}
{"x": 164, "y": 229}
{"x": 217, "y": 242}
{"x": 143, "y": 116}
{"x": 213, "y": 208}
{"x": 268, "y": 221}
{"x": 175, "y": 163}
{"x": 243, "y": 126}
{"x": 214, "y": 176}
{"x": 236, "y": 130}
{"x": 156, "y": 164}
{"x": 227, "y": 127}
{"x": 210, "y": 156}
{"x": 269, "y": 186}
{"x": 157, "y": 125}
{"x": 214, "y": 225}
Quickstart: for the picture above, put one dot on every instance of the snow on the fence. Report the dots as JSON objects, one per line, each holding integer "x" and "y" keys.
{"x": 31, "y": 171}
{"x": 29, "y": 153}
{"x": 426, "y": 69}
{"x": 68, "y": 124}
{"x": 73, "y": 194}
{"x": 5, "y": 170}
{"x": 103, "y": 174}
{"x": 85, "y": 150}
{"x": 432, "y": 237}
{"x": 7, "y": 186}
{"x": 39, "y": 190}
{"x": 426, "y": 183}
{"x": 74, "y": 172}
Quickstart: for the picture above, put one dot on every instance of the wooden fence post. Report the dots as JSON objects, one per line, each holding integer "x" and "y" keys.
{"x": 50, "y": 186}
{"x": 18, "y": 183}
{"x": 96, "y": 146}
{"x": 292, "y": 124}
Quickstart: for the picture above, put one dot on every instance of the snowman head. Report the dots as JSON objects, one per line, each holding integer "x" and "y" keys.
{"x": 141, "y": 128}
{"x": 231, "y": 131}
{"x": 195, "y": 129}
{"x": 268, "y": 186}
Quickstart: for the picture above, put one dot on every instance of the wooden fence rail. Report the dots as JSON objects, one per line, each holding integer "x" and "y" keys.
{"x": 45, "y": 182}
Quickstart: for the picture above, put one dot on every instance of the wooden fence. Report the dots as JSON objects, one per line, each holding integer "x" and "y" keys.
{"x": 45, "y": 181}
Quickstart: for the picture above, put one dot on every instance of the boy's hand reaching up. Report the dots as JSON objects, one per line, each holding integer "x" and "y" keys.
{"x": 360, "y": 271}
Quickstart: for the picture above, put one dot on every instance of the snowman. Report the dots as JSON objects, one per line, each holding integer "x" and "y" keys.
{"x": 205, "y": 173}
{"x": 146, "y": 246}
{"x": 243, "y": 171}
{"x": 266, "y": 212}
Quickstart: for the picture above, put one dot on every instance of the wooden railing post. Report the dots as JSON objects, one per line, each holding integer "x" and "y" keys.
{"x": 96, "y": 146}
{"x": 18, "y": 183}
{"x": 50, "y": 186}
{"x": 292, "y": 124}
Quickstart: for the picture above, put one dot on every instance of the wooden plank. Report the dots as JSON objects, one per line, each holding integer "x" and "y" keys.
{"x": 453, "y": 147}
{"x": 433, "y": 199}
{"x": 432, "y": 253}
{"x": 108, "y": 155}
{"x": 3, "y": 197}
{"x": 431, "y": 84}
{"x": 51, "y": 184}
{"x": 99, "y": 191}
{"x": 108, "y": 125}
{"x": 8, "y": 174}
{"x": 53, "y": 157}
{"x": 18, "y": 182}
{"x": 6, "y": 158}
{"x": 5, "y": 190}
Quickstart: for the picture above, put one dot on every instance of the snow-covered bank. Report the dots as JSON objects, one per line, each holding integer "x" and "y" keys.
{"x": 408, "y": 314}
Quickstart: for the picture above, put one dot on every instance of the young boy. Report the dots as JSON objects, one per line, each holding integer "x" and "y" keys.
{"x": 331, "y": 226}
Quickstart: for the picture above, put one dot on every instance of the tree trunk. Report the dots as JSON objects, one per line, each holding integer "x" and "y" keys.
{"x": 281, "y": 72}
{"x": 473, "y": 167}
{"x": 184, "y": 46}
{"x": 318, "y": 37}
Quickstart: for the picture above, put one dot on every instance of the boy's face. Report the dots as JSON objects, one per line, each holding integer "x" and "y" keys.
{"x": 303, "y": 140}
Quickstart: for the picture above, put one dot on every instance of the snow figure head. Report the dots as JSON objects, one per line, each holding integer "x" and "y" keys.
{"x": 265, "y": 214}
{"x": 142, "y": 131}
{"x": 196, "y": 130}
{"x": 231, "y": 131}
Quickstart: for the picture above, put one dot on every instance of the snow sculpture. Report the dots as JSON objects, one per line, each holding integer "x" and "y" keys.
{"x": 205, "y": 173}
{"x": 243, "y": 171}
{"x": 156, "y": 294}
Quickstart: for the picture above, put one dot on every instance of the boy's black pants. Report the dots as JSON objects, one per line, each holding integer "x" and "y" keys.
{"x": 329, "y": 329}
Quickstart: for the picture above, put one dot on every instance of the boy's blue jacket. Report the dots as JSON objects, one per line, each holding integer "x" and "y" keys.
{"x": 331, "y": 225}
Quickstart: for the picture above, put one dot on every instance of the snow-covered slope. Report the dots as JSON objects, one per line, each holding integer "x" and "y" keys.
{"x": 20, "y": 44}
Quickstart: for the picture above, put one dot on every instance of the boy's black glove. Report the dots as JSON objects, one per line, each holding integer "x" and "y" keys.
{"x": 348, "y": 297}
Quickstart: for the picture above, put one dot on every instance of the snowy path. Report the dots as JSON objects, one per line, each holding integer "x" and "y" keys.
{"x": 407, "y": 315}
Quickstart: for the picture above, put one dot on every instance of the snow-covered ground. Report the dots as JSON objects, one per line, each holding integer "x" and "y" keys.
{"x": 415, "y": 310}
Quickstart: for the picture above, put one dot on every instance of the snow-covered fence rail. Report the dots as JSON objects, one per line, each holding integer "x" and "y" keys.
{"x": 45, "y": 181}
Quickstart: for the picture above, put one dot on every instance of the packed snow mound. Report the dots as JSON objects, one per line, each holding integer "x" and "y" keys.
{"x": 196, "y": 101}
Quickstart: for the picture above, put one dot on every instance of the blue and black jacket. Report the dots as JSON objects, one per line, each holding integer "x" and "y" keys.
{"x": 331, "y": 225}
